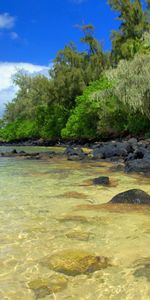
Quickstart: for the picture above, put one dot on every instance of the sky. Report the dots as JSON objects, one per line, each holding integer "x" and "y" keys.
{"x": 32, "y": 31}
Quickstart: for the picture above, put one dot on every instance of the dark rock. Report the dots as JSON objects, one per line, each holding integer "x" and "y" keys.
{"x": 133, "y": 196}
{"x": 138, "y": 153}
{"x": 98, "y": 154}
{"x": 138, "y": 165}
{"x": 143, "y": 272}
{"x": 102, "y": 180}
{"x": 143, "y": 269}
{"x": 74, "y": 153}
{"x": 129, "y": 157}
{"x": 14, "y": 151}
{"x": 111, "y": 149}
{"x": 22, "y": 152}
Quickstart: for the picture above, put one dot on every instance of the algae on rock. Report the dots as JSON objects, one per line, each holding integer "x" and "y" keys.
{"x": 43, "y": 287}
{"x": 76, "y": 262}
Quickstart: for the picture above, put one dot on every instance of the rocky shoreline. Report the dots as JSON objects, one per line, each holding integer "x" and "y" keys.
{"x": 133, "y": 154}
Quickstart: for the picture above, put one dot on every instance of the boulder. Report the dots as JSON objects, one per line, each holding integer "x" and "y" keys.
{"x": 14, "y": 151}
{"x": 74, "y": 153}
{"x": 134, "y": 196}
{"x": 138, "y": 165}
{"x": 143, "y": 269}
{"x": 111, "y": 149}
{"x": 102, "y": 180}
{"x": 76, "y": 262}
{"x": 43, "y": 287}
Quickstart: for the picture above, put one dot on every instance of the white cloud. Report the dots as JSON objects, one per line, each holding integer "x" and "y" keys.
{"x": 14, "y": 35}
{"x": 6, "y": 21}
{"x": 7, "y": 70}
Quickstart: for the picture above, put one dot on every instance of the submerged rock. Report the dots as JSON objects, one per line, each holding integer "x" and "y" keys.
{"x": 143, "y": 269}
{"x": 43, "y": 287}
{"x": 102, "y": 180}
{"x": 133, "y": 196}
{"x": 76, "y": 262}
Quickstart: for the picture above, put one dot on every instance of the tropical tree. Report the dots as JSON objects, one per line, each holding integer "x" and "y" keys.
{"x": 134, "y": 22}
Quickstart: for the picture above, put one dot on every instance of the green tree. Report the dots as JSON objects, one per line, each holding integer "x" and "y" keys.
{"x": 134, "y": 22}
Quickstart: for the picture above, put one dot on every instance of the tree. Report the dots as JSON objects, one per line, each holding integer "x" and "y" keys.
{"x": 133, "y": 23}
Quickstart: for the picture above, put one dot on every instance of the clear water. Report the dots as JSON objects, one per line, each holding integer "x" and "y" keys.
{"x": 34, "y": 212}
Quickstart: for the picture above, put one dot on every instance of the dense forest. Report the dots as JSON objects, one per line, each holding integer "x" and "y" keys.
{"x": 89, "y": 94}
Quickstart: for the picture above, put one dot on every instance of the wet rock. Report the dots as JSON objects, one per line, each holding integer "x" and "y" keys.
{"x": 102, "y": 180}
{"x": 133, "y": 196}
{"x": 98, "y": 154}
{"x": 44, "y": 287}
{"x": 14, "y": 151}
{"x": 111, "y": 150}
{"x": 78, "y": 235}
{"x": 138, "y": 165}
{"x": 76, "y": 262}
{"x": 74, "y": 154}
{"x": 143, "y": 269}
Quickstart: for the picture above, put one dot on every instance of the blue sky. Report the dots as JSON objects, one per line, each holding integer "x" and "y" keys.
{"x": 32, "y": 31}
{"x": 37, "y": 29}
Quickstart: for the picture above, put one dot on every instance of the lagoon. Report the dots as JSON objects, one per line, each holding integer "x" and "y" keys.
{"x": 42, "y": 213}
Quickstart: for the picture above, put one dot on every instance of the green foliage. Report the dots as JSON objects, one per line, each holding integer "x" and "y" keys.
{"x": 18, "y": 130}
{"x": 85, "y": 97}
{"x": 138, "y": 124}
{"x": 134, "y": 22}
{"x": 85, "y": 116}
{"x": 133, "y": 83}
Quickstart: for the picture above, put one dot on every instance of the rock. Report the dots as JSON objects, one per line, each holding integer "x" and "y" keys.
{"x": 14, "y": 151}
{"x": 43, "y": 287}
{"x": 22, "y": 152}
{"x": 110, "y": 150}
{"x": 102, "y": 180}
{"x": 78, "y": 235}
{"x": 138, "y": 165}
{"x": 132, "y": 141}
{"x": 133, "y": 196}
{"x": 143, "y": 269}
{"x": 74, "y": 153}
{"x": 76, "y": 262}
{"x": 98, "y": 154}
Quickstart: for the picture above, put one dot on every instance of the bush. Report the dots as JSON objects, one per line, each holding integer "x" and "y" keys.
{"x": 84, "y": 117}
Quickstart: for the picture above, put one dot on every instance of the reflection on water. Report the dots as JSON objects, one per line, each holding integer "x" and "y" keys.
{"x": 40, "y": 216}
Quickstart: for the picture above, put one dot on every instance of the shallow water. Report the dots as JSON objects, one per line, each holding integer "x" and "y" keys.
{"x": 39, "y": 210}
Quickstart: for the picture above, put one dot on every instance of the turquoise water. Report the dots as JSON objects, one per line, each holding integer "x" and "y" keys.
{"x": 42, "y": 206}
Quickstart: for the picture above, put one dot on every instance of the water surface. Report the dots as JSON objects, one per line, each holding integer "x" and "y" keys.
{"x": 39, "y": 210}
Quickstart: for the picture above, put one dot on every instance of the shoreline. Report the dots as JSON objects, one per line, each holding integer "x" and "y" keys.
{"x": 132, "y": 154}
